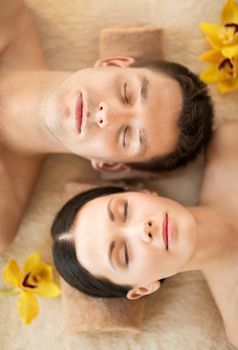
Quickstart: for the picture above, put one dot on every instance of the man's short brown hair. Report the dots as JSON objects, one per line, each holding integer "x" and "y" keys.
{"x": 194, "y": 122}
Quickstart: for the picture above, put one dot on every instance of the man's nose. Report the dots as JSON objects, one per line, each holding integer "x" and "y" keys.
{"x": 102, "y": 118}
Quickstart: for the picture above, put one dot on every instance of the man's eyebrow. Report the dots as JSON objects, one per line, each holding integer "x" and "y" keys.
{"x": 144, "y": 88}
{"x": 143, "y": 141}
{"x": 112, "y": 246}
{"x": 110, "y": 213}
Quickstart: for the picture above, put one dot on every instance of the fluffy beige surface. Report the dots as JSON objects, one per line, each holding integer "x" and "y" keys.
{"x": 182, "y": 315}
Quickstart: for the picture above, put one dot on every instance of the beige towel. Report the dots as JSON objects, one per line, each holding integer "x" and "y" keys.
{"x": 138, "y": 41}
{"x": 83, "y": 313}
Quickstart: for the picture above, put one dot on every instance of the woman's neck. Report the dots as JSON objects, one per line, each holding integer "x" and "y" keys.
{"x": 216, "y": 239}
{"x": 22, "y": 122}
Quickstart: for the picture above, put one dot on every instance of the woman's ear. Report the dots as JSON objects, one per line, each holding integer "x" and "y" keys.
{"x": 118, "y": 61}
{"x": 109, "y": 166}
{"x": 142, "y": 290}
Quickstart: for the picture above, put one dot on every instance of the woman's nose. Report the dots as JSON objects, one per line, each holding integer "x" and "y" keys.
{"x": 148, "y": 231}
{"x": 102, "y": 115}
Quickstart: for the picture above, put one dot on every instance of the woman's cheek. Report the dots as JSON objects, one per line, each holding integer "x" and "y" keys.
{"x": 147, "y": 261}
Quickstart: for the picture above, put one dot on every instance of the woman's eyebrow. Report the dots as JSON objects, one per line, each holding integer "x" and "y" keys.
{"x": 110, "y": 213}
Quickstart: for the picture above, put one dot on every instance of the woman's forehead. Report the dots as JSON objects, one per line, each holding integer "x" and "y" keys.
{"x": 90, "y": 233}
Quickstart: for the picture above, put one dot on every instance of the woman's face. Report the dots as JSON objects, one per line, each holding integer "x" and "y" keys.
{"x": 133, "y": 238}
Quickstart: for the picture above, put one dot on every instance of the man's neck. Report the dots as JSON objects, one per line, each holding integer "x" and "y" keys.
{"x": 22, "y": 95}
{"x": 214, "y": 240}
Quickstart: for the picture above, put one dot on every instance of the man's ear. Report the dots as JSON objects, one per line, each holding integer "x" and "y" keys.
{"x": 109, "y": 166}
{"x": 118, "y": 61}
{"x": 142, "y": 290}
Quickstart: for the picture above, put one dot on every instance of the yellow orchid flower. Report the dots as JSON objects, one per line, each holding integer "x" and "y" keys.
{"x": 224, "y": 75}
{"x": 35, "y": 279}
{"x": 224, "y": 71}
{"x": 224, "y": 54}
{"x": 224, "y": 36}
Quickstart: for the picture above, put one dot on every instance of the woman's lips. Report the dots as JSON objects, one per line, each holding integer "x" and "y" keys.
{"x": 165, "y": 231}
{"x": 170, "y": 232}
{"x": 78, "y": 118}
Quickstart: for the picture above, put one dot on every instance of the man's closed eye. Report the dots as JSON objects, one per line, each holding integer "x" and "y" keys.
{"x": 125, "y": 210}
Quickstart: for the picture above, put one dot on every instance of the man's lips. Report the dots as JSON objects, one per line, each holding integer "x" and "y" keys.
{"x": 78, "y": 117}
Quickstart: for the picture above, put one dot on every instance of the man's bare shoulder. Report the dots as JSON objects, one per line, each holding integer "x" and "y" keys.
{"x": 19, "y": 43}
{"x": 10, "y": 11}
{"x": 8, "y": 205}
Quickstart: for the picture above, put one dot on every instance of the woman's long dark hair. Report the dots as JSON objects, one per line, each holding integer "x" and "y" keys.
{"x": 64, "y": 252}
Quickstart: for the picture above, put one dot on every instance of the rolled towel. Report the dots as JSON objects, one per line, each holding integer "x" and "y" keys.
{"x": 82, "y": 313}
{"x": 138, "y": 41}
{"x": 85, "y": 314}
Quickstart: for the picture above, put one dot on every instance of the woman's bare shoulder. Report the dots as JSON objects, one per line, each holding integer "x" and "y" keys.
{"x": 221, "y": 172}
{"x": 231, "y": 319}
{"x": 224, "y": 142}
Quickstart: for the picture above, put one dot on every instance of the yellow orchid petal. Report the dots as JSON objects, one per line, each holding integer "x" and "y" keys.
{"x": 228, "y": 86}
{"x": 230, "y": 12}
{"x": 42, "y": 272}
{"x": 31, "y": 262}
{"x": 211, "y": 75}
{"x": 28, "y": 307}
{"x": 230, "y": 52}
{"x": 48, "y": 290}
{"x": 11, "y": 273}
{"x": 212, "y": 32}
{"x": 36, "y": 267}
{"x": 213, "y": 45}
{"x": 213, "y": 56}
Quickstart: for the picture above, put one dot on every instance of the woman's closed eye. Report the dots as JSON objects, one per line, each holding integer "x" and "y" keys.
{"x": 124, "y": 139}
{"x": 123, "y": 255}
{"x": 118, "y": 210}
{"x": 127, "y": 136}
{"x": 126, "y": 255}
{"x": 122, "y": 210}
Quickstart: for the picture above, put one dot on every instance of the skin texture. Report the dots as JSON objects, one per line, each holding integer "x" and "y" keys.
{"x": 40, "y": 103}
{"x": 203, "y": 238}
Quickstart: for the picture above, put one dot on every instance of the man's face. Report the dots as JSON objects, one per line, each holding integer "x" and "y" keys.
{"x": 114, "y": 113}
